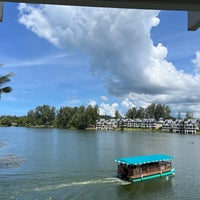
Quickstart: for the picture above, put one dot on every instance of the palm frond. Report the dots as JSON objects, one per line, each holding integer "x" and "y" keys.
{"x": 5, "y": 79}
{"x": 5, "y": 89}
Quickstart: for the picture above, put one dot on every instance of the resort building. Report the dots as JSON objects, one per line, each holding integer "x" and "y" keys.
{"x": 167, "y": 125}
{"x": 178, "y": 126}
{"x": 189, "y": 126}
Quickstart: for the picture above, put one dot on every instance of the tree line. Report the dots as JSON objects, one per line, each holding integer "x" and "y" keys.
{"x": 155, "y": 111}
{"x": 47, "y": 116}
{"x": 79, "y": 117}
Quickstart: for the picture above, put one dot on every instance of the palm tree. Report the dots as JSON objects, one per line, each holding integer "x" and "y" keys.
{"x": 5, "y": 79}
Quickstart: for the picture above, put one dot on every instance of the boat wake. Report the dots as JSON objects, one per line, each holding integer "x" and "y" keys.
{"x": 89, "y": 182}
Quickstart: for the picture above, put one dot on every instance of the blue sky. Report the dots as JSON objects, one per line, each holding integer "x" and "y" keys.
{"x": 115, "y": 58}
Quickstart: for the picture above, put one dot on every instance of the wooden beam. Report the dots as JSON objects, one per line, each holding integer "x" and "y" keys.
{"x": 193, "y": 20}
{"x": 1, "y": 12}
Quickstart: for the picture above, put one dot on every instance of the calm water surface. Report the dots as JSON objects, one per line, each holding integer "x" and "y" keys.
{"x": 71, "y": 164}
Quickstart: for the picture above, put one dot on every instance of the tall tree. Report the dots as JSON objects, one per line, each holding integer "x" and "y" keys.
{"x": 140, "y": 113}
{"x": 131, "y": 113}
{"x": 167, "y": 112}
{"x": 117, "y": 115}
{"x": 179, "y": 115}
{"x": 150, "y": 110}
{"x": 188, "y": 115}
{"x": 64, "y": 117}
{"x": 92, "y": 113}
{"x": 79, "y": 119}
{"x": 158, "y": 111}
{"x": 42, "y": 115}
{"x": 3, "y": 80}
{"x": 31, "y": 118}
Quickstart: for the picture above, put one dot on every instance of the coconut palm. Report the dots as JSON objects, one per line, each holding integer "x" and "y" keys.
{"x": 3, "y": 80}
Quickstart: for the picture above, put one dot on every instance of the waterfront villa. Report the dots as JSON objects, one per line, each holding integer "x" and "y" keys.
{"x": 190, "y": 126}
{"x": 167, "y": 125}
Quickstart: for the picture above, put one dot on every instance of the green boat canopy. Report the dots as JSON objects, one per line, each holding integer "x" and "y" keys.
{"x": 139, "y": 160}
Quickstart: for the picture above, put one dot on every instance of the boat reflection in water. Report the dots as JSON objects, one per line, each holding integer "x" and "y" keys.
{"x": 141, "y": 168}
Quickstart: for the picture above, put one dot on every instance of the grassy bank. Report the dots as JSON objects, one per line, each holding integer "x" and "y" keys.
{"x": 138, "y": 129}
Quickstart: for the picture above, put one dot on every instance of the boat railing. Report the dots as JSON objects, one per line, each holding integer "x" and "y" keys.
{"x": 148, "y": 171}
{"x": 144, "y": 171}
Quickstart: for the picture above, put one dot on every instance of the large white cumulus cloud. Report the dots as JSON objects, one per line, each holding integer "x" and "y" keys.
{"x": 119, "y": 45}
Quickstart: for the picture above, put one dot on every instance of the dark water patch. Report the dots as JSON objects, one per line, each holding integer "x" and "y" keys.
{"x": 10, "y": 161}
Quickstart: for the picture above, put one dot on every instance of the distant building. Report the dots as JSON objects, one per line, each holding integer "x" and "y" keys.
{"x": 176, "y": 126}
{"x": 190, "y": 126}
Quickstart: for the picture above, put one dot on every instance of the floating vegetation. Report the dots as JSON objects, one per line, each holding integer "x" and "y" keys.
{"x": 1, "y": 144}
{"x": 10, "y": 161}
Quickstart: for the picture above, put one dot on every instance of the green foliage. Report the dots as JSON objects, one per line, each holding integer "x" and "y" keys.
{"x": 13, "y": 120}
{"x": 117, "y": 115}
{"x": 188, "y": 115}
{"x": 140, "y": 113}
{"x": 64, "y": 117}
{"x": 80, "y": 117}
{"x": 92, "y": 114}
{"x": 122, "y": 126}
{"x": 41, "y": 116}
{"x": 131, "y": 113}
{"x": 6, "y": 121}
{"x": 179, "y": 115}
{"x": 152, "y": 111}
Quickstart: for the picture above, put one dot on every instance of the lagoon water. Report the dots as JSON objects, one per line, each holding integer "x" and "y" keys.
{"x": 79, "y": 165}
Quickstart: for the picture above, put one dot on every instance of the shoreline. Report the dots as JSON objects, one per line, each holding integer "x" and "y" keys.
{"x": 94, "y": 129}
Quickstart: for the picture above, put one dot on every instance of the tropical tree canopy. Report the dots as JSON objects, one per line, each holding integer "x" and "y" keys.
{"x": 152, "y": 111}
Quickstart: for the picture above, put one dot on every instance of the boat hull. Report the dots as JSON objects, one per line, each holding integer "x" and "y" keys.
{"x": 168, "y": 173}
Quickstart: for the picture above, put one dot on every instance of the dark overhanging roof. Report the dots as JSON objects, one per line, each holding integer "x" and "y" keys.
{"x": 192, "y": 6}
{"x": 187, "y": 5}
